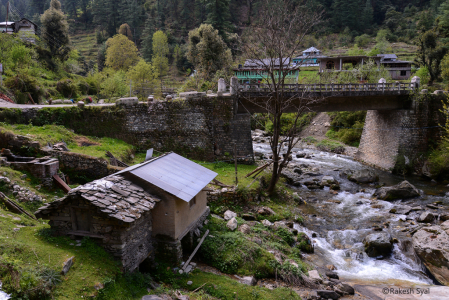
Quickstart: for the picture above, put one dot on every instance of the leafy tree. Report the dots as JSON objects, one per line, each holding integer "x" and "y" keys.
{"x": 423, "y": 74}
{"x": 367, "y": 15}
{"x": 431, "y": 52}
{"x": 126, "y": 31}
{"x": 160, "y": 52}
{"x": 445, "y": 69}
{"x": 56, "y": 30}
{"x": 121, "y": 53}
{"x": 114, "y": 83}
{"x": 143, "y": 75}
{"x": 207, "y": 51}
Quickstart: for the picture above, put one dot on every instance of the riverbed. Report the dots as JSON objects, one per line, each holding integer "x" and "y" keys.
{"x": 338, "y": 221}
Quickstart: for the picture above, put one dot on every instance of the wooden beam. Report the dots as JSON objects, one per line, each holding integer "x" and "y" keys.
{"x": 194, "y": 251}
{"x": 61, "y": 183}
{"x": 258, "y": 169}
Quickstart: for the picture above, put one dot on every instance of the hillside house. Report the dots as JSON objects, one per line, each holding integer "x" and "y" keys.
{"x": 255, "y": 71}
{"x": 309, "y": 57}
{"x": 342, "y": 63}
{"x": 25, "y": 29}
{"x": 143, "y": 211}
{"x": 399, "y": 69}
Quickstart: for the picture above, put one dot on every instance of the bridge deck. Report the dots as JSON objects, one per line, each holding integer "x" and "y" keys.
{"x": 329, "y": 97}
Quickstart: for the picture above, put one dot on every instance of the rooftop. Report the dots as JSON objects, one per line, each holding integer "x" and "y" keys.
{"x": 114, "y": 195}
{"x": 174, "y": 174}
{"x": 311, "y": 49}
{"x": 262, "y": 63}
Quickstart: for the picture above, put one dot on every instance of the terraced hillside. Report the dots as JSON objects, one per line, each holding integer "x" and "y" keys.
{"x": 86, "y": 44}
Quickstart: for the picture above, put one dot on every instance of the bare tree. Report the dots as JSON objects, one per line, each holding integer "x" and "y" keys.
{"x": 270, "y": 44}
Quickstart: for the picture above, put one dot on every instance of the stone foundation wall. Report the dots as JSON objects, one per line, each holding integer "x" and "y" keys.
{"x": 131, "y": 244}
{"x": 393, "y": 140}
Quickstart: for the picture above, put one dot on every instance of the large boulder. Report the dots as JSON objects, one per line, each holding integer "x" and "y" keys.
{"x": 228, "y": 215}
{"x": 363, "y": 176}
{"x": 426, "y": 217}
{"x": 431, "y": 244}
{"x": 403, "y": 190}
{"x": 377, "y": 244}
{"x": 232, "y": 224}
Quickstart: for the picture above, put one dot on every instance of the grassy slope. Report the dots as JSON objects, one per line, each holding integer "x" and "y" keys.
{"x": 54, "y": 134}
{"x": 86, "y": 44}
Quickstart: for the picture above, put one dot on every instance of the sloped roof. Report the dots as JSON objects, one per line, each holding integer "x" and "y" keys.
{"x": 114, "y": 195}
{"x": 311, "y": 49}
{"x": 387, "y": 56}
{"x": 251, "y": 63}
{"x": 174, "y": 174}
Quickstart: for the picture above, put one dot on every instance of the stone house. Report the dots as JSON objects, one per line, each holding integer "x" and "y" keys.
{"x": 399, "y": 69}
{"x": 342, "y": 63}
{"x": 144, "y": 211}
{"x": 25, "y": 29}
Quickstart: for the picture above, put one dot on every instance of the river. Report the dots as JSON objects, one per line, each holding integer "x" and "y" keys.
{"x": 337, "y": 222}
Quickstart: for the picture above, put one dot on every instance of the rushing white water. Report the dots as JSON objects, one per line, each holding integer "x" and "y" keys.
{"x": 3, "y": 295}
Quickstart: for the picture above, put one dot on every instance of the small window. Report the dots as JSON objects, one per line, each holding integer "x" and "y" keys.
{"x": 403, "y": 73}
{"x": 192, "y": 202}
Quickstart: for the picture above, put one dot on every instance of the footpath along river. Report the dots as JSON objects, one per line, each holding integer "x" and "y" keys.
{"x": 338, "y": 221}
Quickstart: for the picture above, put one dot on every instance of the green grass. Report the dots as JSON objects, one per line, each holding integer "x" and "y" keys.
{"x": 26, "y": 253}
{"x": 225, "y": 288}
{"x": 226, "y": 172}
{"x": 55, "y": 133}
{"x": 330, "y": 146}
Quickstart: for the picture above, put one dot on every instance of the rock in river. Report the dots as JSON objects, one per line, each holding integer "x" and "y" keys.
{"x": 363, "y": 176}
{"x": 377, "y": 244}
{"x": 431, "y": 244}
{"x": 402, "y": 190}
{"x": 426, "y": 217}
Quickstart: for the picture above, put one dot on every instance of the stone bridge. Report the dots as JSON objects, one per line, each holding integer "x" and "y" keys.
{"x": 329, "y": 97}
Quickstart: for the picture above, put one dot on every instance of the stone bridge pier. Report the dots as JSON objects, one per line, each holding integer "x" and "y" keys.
{"x": 394, "y": 140}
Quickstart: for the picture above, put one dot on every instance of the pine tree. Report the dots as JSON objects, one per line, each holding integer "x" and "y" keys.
{"x": 367, "y": 14}
{"x": 218, "y": 16}
{"x": 56, "y": 30}
{"x": 70, "y": 7}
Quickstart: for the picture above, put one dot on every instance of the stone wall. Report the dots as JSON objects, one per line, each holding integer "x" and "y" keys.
{"x": 199, "y": 127}
{"x": 131, "y": 243}
{"x": 395, "y": 139}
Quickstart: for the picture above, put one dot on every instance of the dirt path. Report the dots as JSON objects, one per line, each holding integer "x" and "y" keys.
{"x": 318, "y": 127}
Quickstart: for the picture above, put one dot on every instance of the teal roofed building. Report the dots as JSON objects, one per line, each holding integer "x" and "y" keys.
{"x": 309, "y": 58}
{"x": 255, "y": 71}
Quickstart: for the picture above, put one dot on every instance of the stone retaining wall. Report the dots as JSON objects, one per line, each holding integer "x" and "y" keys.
{"x": 201, "y": 127}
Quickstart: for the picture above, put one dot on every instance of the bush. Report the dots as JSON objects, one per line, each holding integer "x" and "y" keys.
{"x": 362, "y": 40}
{"x": 24, "y": 86}
{"x": 67, "y": 88}
{"x": 331, "y": 146}
{"x": 288, "y": 120}
{"x": 439, "y": 160}
{"x": 286, "y": 235}
{"x": 347, "y": 127}
{"x": 304, "y": 244}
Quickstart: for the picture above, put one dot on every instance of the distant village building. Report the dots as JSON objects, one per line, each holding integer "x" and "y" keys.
{"x": 309, "y": 57}
{"x": 255, "y": 71}
{"x": 341, "y": 63}
{"x": 399, "y": 69}
{"x": 25, "y": 29}
{"x": 140, "y": 212}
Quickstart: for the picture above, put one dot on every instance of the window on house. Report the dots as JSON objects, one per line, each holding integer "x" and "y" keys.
{"x": 192, "y": 202}
{"x": 403, "y": 73}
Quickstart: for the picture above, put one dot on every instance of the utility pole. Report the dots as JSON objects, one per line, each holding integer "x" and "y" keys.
{"x": 7, "y": 14}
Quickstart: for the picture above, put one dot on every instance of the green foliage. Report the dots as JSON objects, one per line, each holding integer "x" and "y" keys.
{"x": 67, "y": 88}
{"x": 347, "y": 127}
{"x": 143, "y": 75}
{"x": 286, "y": 235}
{"x": 423, "y": 74}
{"x": 304, "y": 243}
{"x": 330, "y": 146}
{"x": 23, "y": 86}
{"x": 113, "y": 84}
{"x": 310, "y": 140}
{"x": 288, "y": 122}
{"x": 56, "y": 30}
{"x": 207, "y": 51}
{"x": 225, "y": 252}
{"x": 121, "y": 53}
{"x": 160, "y": 52}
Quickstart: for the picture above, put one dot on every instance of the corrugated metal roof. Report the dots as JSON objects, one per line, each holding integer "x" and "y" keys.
{"x": 265, "y": 62}
{"x": 311, "y": 49}
{"x": 174, "y": 174}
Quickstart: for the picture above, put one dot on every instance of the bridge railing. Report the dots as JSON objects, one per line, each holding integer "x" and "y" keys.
{"x": 333, "y": 87}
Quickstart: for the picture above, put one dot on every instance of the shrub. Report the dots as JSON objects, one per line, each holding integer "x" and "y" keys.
{"x": 304, "y": 244}
{"x": 24, "y": 86}
{"x": 362, "y": 40}
{"x": 67, "y": 88}
{"x": 286, "y": 235}
{"x": 331, "y": 146}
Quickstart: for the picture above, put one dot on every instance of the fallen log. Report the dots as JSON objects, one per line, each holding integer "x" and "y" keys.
{"x": 218, "y": 183}
{"x": 14, "y": 207}
{"x": 258, "y": 169}
{"x": 61, "y": 184}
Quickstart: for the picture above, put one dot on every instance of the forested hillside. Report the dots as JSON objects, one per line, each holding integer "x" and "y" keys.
{"x": 176, "y": 17}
